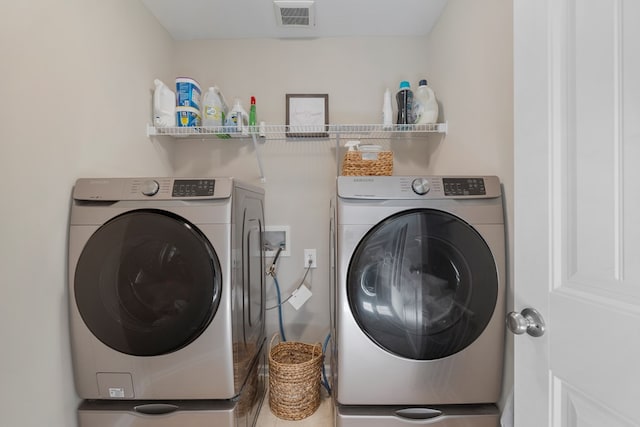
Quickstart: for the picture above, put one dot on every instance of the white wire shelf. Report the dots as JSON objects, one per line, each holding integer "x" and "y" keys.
{"x": 265, "y": 133}
{"x": 281, "y": 132}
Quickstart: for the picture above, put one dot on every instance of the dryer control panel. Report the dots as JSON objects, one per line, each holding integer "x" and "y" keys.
{"x": 464, "y": 187}
{"x": 418, "y": 187}
{"x": 153, "y": 188}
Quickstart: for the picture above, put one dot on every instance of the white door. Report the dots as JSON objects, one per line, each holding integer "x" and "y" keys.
{"x": 577, "y": 211}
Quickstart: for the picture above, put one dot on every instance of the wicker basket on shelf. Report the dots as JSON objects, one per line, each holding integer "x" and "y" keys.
{"x": 294, "y": 379}
{"x": 357, "y": 163}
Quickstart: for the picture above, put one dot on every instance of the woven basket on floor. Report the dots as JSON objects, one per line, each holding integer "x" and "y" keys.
{"x": 355, "y": 165}
{"x": 294, "y": 379}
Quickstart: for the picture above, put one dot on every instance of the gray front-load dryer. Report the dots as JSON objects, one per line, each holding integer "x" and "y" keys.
{"x": 418, "y": 293}
{"x": 166, "y": 287}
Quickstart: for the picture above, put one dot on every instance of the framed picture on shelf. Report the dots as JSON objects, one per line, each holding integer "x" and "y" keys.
{"x": 307, "y": 115}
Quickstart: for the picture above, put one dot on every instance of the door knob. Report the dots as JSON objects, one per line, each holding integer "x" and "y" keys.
{"x": 529, "y": 321}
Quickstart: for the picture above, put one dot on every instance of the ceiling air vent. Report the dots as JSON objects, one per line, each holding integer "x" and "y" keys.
{"x": 295, "y": 13}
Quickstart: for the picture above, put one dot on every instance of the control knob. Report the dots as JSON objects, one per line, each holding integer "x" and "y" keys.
{"x": 150, "y": 187}
{"x": 420, "y": 186}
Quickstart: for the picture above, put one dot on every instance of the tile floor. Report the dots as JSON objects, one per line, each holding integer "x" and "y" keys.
{"x": 323, "y": 417}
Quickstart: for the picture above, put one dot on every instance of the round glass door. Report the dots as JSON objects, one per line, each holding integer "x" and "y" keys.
{"x": 147, "y": 283}
{"x": 422, "y": 284}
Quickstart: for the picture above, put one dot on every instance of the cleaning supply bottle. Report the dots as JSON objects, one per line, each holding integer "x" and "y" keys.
{"x": 352, "y": 145}
{"x": 404, "y": 97}
{"x": 425, "y": 105}
{"x": 387, "y": 111}
{"x": 252, "y": 115}
{"x": 237, "y": 120}
{"x": 164, "y": 105}
{"x": 214, "y": 108}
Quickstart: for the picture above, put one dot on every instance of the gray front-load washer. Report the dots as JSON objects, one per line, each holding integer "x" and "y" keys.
{"x": 418, "y": 291}
{"x": 166, "y": 287}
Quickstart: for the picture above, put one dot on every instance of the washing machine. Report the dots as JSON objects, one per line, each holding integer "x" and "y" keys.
{"x": 417, "y": 301}
{"x": 166, "y": 287}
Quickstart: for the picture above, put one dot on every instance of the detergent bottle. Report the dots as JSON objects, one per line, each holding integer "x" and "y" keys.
{"x": 214, "y": 108}
{"x": 425, "y": 105}
{"x": 404, "y": 97}
{"x": 238, "y": 119}
{"x": 164, "y": 105}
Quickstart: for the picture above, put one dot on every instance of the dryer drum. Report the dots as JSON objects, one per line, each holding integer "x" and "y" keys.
{"x": 147, "y": 283}
{"x": 422, "y": 284}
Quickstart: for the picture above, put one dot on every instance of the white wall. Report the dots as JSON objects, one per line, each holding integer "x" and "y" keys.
{"x": 76, "y": 84}
{"x": 77, "y": 80}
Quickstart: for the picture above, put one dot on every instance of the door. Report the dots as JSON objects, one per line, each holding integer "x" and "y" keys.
{"x": 147, "y": 283}
{"x": 422, "y": 284}
{"x": 577, "y": 233}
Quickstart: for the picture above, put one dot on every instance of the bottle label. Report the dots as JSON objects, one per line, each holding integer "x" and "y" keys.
{"x": 212, "y": 112}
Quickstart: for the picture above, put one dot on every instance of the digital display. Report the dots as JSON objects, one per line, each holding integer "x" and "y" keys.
{"x": 464, "y": 187}
{"x": 193, "y": 187}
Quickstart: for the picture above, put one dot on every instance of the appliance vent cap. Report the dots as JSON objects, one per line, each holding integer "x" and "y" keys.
{"x": 295, "y": 13}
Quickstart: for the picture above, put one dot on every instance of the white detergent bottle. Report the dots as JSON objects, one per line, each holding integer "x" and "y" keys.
{"x": 164, "y": 105}
{"x": 237, "y": 120}
{"x": 425, "y": 105}
{"x": 387, "y": 111}
{"x": 214, "y": 108}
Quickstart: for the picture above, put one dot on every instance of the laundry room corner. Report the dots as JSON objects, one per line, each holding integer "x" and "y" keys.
{"x": 78, "y": 77}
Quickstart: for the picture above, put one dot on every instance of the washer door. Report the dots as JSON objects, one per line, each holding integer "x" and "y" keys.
{"x": 422, "y": 284}
{"x": 147, "y": 283}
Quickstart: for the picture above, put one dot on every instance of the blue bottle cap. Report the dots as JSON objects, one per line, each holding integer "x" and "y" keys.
{"x": 423, "y": 82}
{"x": 404, "y": 84}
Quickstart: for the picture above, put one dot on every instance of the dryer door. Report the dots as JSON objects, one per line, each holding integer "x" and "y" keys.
{"x": 422, "y": 284}
{"x": 147, "y": 283}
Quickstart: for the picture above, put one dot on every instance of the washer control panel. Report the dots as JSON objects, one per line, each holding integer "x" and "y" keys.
{"x": 418, "y": 187}
{"x": 193, "y": 187}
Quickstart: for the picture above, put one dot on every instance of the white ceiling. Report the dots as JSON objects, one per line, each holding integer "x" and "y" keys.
{"x": 225, "y": 19}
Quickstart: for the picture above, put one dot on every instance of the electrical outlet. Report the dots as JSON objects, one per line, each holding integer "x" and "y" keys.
{"x": 310, "y": 256}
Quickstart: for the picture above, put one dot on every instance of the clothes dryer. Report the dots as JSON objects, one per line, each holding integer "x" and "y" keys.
{"x": 166, "y": 287}
{"x": 418, "y": 291}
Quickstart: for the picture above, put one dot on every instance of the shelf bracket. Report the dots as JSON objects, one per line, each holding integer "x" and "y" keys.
{"x": 258, "y": 157}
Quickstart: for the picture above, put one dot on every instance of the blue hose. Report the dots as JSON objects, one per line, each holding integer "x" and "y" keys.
{"x": 275, "y": 280}
{"x": 325, "y": 382}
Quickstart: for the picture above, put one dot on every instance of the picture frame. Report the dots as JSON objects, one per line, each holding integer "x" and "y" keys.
{"x": 307, "y": 115}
